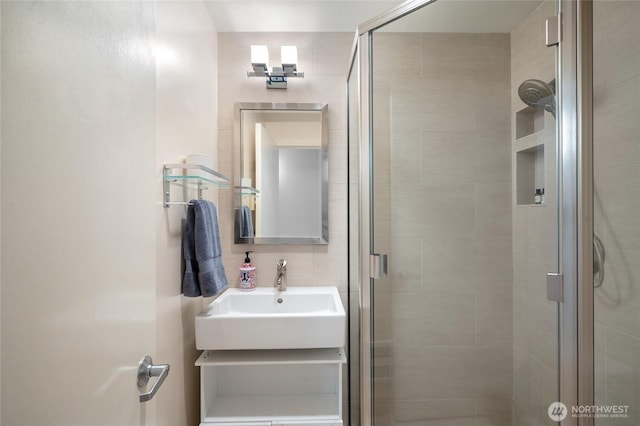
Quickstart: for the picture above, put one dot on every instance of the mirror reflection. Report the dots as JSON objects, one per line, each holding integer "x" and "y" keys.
{"x": 283, "y": 174}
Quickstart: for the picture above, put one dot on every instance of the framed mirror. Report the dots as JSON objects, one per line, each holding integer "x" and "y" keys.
{"x": 281, "y": 173}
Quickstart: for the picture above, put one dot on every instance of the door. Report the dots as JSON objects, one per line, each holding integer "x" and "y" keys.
{"x": 616, "y": 208}
{"x": 464, "y": 203}
{"x": 78, "y": 245}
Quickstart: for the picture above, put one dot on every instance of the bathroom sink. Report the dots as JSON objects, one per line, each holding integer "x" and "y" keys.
{"x": 298, "y": 318}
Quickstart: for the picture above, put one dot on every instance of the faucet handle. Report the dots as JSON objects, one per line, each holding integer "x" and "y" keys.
{"x": 282, "y": 264}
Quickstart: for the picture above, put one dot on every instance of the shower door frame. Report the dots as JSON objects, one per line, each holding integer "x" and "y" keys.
{"x": 584, "y": 282}
{"x": 575, "y": 200}
{"x": 576, "y": 220}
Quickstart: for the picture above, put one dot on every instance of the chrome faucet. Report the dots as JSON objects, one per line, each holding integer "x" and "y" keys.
{"x": 281, "y": 276}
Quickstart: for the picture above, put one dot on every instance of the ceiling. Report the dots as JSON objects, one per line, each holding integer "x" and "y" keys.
{"x": 344, "y": 16}
{"x": 293, "y": 15}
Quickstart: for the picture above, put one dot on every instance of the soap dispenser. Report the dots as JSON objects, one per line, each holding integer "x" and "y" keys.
{"x": 247, "y": 274}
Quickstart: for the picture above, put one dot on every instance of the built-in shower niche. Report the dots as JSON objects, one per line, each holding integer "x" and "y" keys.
{"x": 529, "y": 121}
{"x": 529, "y": 174}
{"x": 534, "y": 127}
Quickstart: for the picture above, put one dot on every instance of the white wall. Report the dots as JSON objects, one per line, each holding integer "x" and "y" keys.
{"x": 266, "y": 168}
{"x": 289, "y": 203}
{"x": 186, "y": 110}
{"x": 300, "y": 184}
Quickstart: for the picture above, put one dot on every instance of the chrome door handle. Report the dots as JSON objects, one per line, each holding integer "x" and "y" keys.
{"x": 147, "y": 370}
{"x": 378, "y": 265}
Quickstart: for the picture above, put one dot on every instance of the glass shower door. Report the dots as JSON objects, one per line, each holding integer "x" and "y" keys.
{"x": 464, "y": 203}
{"x": 616, "y": 197}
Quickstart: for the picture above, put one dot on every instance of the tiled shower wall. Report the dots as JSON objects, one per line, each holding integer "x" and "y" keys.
{"x": 443, "y": 326}
{"x": 535, "y": 244}
{"x": 617, "y": 204}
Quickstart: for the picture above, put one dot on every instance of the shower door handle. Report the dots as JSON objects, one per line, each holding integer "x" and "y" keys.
{"x": 378, "y": 265}
{"x": 555, "y": 287}
{"x": 147, "y": 370}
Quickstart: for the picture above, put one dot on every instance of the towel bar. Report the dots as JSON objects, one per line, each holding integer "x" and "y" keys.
{"x": 179, "y": 203}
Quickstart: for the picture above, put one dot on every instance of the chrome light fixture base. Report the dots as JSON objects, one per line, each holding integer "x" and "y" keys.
{"x": 277, "y": 77}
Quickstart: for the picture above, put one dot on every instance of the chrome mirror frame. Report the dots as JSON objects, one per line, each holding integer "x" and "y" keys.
{"x": 237, "y": 170}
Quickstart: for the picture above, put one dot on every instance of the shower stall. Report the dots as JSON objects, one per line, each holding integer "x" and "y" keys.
{"x": 489, "y": 142}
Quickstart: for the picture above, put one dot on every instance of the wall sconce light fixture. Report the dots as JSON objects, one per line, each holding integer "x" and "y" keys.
{"x": 276, "y": 78}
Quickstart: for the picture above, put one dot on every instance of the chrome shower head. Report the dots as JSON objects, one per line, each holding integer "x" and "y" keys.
{"x": 538, "y": 94}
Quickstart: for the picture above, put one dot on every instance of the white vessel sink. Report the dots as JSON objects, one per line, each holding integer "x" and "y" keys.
{"x": 298, "y": 318}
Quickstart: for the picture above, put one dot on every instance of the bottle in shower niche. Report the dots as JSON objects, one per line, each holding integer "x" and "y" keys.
{"x": 247, "y": 274}
{"x": 538, "y": 196}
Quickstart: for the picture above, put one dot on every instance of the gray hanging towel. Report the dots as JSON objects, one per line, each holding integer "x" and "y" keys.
{"x": 190, "y": 285}
{"x": 247, "y": 223}
{"x": 204, "y": 273}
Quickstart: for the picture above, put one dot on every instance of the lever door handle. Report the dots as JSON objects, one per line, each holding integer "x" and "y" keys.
{"x": 147, "y": 370}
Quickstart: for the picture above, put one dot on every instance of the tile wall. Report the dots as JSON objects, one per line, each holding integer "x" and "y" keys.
{"x": 323, "y": 58}
{"x": 617, "y": 205}
{"x": 443, "y": 329}
{"x": 535, "y": 244}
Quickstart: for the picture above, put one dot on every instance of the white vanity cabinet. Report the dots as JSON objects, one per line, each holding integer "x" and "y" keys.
{"x": 271, "y": 387}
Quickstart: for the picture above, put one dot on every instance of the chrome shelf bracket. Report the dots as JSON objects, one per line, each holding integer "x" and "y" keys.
{"x": 201, "y": 183}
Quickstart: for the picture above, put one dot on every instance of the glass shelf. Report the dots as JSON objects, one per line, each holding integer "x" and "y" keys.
{"x": 195, "y": 181}
{"x": 200, "y": 181}
{"x": 246, "y": 190}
